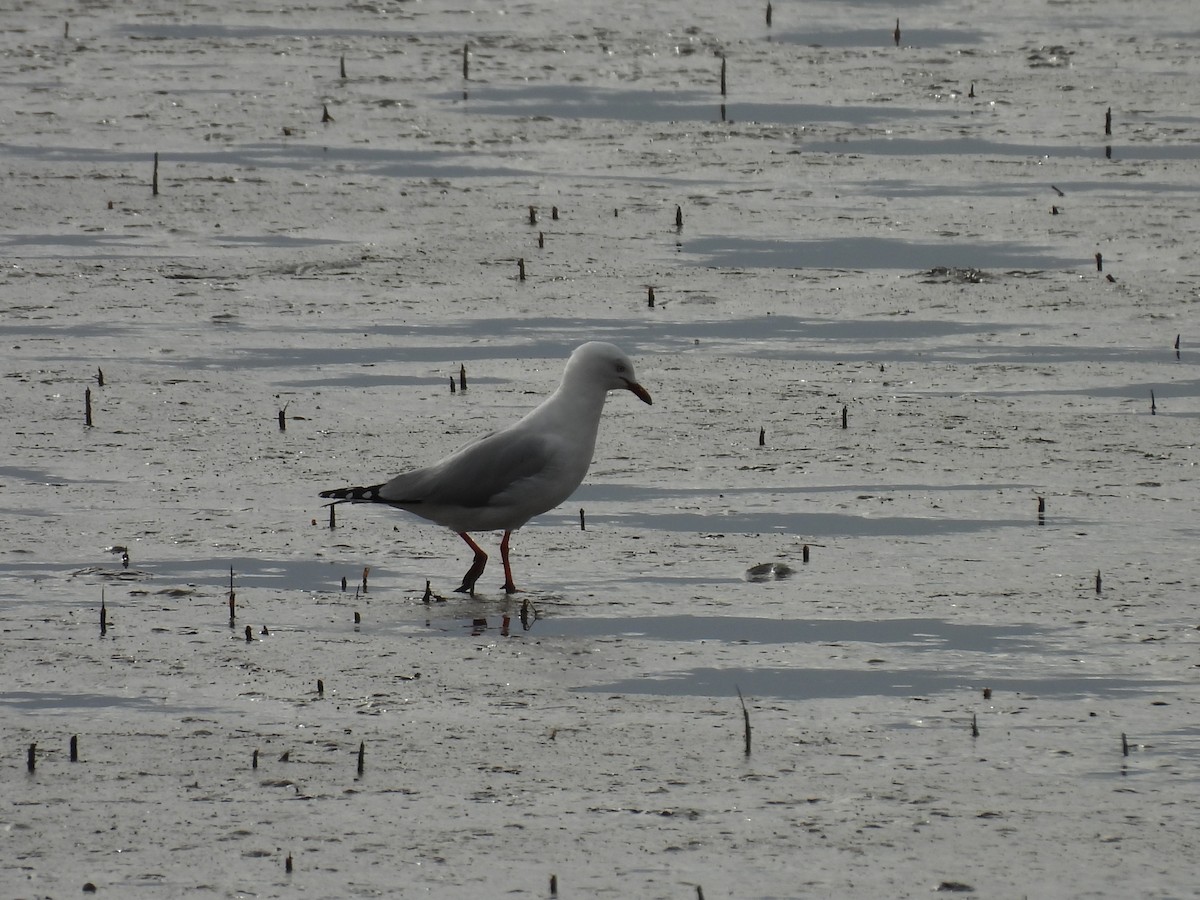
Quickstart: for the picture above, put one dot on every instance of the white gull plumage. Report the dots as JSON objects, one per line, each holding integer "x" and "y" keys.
{"x": 505, "y": 478}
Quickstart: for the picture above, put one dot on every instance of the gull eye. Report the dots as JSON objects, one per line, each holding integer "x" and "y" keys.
{"x": 621, "y": 368}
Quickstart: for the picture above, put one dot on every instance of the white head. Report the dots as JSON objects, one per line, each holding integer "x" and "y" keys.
{"x": 603, "y": 365}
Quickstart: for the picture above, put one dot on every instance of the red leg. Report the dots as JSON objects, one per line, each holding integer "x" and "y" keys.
{"x": 473, "y": 573}
{"x": 509, "y": 587}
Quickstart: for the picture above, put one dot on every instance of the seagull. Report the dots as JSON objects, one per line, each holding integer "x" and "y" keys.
{"x": 504, "y": 479}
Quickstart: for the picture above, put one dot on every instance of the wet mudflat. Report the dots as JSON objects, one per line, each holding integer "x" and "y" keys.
{"x": 902, "y": 294}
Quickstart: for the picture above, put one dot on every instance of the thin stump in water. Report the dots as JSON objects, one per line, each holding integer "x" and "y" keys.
{"x": 974, "y": 726}
{"x": 466, "y": 53}
{"x": 462, "y": 376}
{"x": 1041, "y": 510}
{"x": 320, "y": 688}
{"x": 254, "y": 759}
{"x": 768, "y": 13}
{"x": 332, "y": 525}
{"x": 745, "y": 719}
{"x": 533, "y": 215}
{"x": 1153, "y": 406}
{"x": 357, "y": 617}
{"x": 87, "y": 407}
{"x": 678, "y": 216}
{"x": 232, "y": 600}
{"x": 845, "y": 416}
{"x": 1108, "y": 121}
{"x": 249, "y": 634}
{"x": 342, "y": 66}
{"x": 287, "y": 864}
{"x": 582, "y": 521}
{"x": 1124, "y": 745}
{"x": 804, "y": 553}
{"x": 31, "y": 758}
{"x": 428, "y": 596}
{"x": 896, "y": 33}
{"x": 326, "y": 118}
{"x": 650, "y": 297}
{"x": 154, "y": 178}
{"x": 366, "y": 572}
{"x": 1099, "y": 262}
{"x": 541, "y": 240}
{"x": 103, "y": 615}
{"x": 553, "y": 885}
{"x": 1098, "y": 581}
{"x": 74, "y": 748}
{"x": 452, "y": 384}
{"x": 762, "y": 437}
{"x": 283, "y": 417}
{"x": 723, "y": 66}
{"x": 521, "y": 269}
{"x": 100, "y": 374}
{"x": 362, "y": 756}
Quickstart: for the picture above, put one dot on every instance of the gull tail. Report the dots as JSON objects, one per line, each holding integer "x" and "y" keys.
{"x": 355, "y": 494}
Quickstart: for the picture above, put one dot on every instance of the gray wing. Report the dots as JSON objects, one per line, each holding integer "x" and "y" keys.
{"x": 476, "y": 474}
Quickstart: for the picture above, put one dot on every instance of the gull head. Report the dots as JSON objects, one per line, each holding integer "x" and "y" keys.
{"x": 602, "y": 365}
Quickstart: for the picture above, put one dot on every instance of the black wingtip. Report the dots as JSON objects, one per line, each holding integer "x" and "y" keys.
{"x": 354, "y": 494}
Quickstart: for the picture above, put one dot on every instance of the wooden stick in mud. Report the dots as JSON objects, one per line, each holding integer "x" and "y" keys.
{"x": 723, "y": 75}
{"x": 582, "y": 520}
{"x": 154, "y": 179}
{"x": 1041, "y": 510}
{"x": 466, "y": 62}
{"x": 896, "y": 33}
{"x": 745, "y": 719}
{"x": 1099, "y": 263}
{"x": 541, "y": 240}
{"x": 1124, "y": 744}
{"x": 254, "y": 759}
{"x": 287, "y": 864}
{"x": 762, "y": 437}
{"x": 533, "y": 215}
{"x": 768, "y": 13}
{"x": 1153, "y": 405}
{"x": 521, "y": 269}
{"x": 362, "y": 756}
{"x": 342, "y": 66}
{"x": 326, "y": 118}
{"x": 845, "y": 416}
{"x": 87, "y": 407}
{"x": 553, "y": 885}
{"x": 1098, "y": 582}
{"x": 974, "y": 726}
{"x": 804, "y": 553}
{"x": 100, "y": 373}
{"x": 31, "y": 758}
{"x": 1108, "y": 121}
{"x": 103, "y": 615}
{"x": 232, "y": 600}
{"x": 554, "y": 213}
{"x": 650, "y": 297}
{"x": 333, "y": 524}
{"x": 320, "y": 688}
{"x": 74, "y": 748}
{"x": 462, "y": 376}
{"x": 249, "y": 634}
{"x": 678, "y": 216}
{"x": 366, "y": 572}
